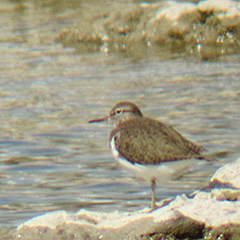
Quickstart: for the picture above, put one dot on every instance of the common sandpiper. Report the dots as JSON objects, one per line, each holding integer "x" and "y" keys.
{"x": 153, "y": 150}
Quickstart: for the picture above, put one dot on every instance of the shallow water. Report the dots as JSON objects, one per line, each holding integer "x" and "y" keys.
{"x": 51, "y": 158}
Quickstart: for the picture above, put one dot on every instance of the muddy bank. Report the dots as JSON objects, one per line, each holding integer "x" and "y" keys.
{"x": 207, "y": 29}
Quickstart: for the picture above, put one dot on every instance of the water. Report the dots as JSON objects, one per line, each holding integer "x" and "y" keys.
{"x": 51, "y": 158}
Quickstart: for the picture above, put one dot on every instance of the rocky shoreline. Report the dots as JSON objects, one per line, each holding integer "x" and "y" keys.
{"x": 213, "y": 213}
{"x": 207, "y": 30}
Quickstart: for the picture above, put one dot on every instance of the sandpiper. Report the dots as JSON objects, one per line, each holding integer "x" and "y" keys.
{"x": 153, "y": 150}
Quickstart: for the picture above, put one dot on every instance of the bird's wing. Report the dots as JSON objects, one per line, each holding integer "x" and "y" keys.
{"x": 146, "y": 141}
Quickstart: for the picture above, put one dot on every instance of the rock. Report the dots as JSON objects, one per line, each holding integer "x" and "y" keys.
{"x": 207, "y": 30}
{"x": 228, "y": 175}
{"x": 207, "y": 215}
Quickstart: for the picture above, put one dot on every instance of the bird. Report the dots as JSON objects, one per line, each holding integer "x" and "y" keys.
{"x": 152, "y": 150}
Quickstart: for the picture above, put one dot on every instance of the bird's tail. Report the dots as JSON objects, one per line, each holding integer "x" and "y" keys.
{"x": 214, "y": 156}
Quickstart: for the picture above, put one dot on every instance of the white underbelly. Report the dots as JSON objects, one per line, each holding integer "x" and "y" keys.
{"x": 162, "y": 173}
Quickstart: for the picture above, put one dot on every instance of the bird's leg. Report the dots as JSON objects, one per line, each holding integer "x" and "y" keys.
{"x": 153, "y": 185}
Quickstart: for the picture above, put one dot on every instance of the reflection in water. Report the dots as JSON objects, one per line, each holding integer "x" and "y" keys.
{"x": 51, "y": 158}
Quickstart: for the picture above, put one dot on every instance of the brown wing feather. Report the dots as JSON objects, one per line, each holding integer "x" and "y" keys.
{"x": 153, "y": 144}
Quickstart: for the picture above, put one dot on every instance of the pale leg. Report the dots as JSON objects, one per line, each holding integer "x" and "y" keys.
{"x": 153, "y": 185}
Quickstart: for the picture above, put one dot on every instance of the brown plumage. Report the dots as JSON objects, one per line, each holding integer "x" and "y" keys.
{"x": 152, "y": 149}
{"x": 147, "y": 141}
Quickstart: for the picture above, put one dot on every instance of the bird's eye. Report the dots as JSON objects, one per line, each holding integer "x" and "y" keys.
{"x": 119, "y": 111}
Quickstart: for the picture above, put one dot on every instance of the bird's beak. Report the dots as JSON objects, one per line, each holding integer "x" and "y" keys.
{"x": 104, "y": 119}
